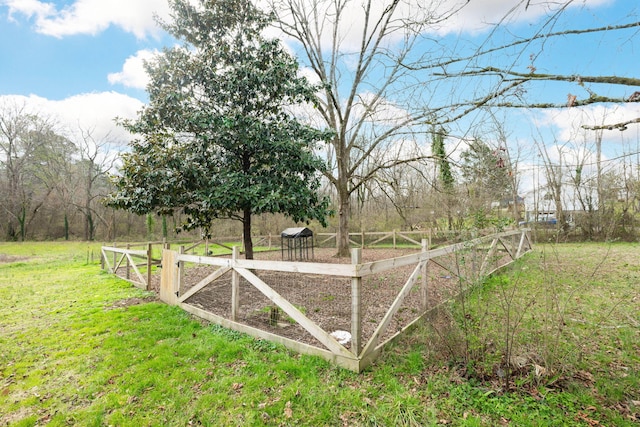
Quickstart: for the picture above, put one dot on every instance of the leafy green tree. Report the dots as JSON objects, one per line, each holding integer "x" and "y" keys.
{"x": 445, "y": 176}
{"x": 218, "y": 138}
{"x": 445, "y": 179}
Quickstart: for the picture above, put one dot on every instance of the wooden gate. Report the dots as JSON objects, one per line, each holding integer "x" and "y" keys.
{"x": 123, "y": 261}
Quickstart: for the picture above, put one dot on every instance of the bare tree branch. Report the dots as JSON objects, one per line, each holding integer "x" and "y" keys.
{"x": 621, "y": 126}
{"x": 524, "y": 41}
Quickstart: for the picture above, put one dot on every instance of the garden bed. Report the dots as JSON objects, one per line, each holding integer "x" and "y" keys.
{"x": 325, "y": 300}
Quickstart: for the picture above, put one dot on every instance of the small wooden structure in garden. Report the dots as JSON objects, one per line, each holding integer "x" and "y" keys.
{"x": 296, "y": 243}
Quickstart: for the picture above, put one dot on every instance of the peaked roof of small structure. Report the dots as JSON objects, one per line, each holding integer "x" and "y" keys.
{"x": 296, "y": 232}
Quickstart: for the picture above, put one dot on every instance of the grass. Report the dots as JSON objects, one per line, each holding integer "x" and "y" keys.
{"x": 81, "y": 347}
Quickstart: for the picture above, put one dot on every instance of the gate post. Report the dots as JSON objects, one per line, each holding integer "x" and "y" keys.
{"x": 169, "y": 277}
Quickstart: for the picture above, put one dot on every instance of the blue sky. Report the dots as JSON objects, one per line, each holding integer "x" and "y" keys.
{"x": 56, "y": 68}
{"x": 65, "y": 48}
{"x": 80, "y": 60}
{"x": 58, "y": 49}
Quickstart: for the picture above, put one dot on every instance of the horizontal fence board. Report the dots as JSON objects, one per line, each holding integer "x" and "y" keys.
{"x": 374, "y": 267}
{"x": 343, "y": 270}
{"x": 135, "y": 252}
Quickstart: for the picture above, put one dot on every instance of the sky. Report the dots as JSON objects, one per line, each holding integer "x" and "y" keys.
{"x": 81, "y": 60}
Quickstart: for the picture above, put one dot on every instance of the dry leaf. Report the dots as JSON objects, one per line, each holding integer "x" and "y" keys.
{"x": 288, "y": 413}
{"x": 541, "y": 371}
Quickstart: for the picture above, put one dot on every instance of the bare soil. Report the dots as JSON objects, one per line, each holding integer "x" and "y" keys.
{"x": 6, "y": 259}
{"x": 128, "y": 302}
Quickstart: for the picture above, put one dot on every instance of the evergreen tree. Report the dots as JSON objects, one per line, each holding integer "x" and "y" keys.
{"x": 218, "y": 138}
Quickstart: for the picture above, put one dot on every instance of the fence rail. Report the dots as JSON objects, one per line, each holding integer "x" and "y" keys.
{"x": 234, "y": 292}
{"x": 393, "y": 238}
{"x": 123, "y": 261}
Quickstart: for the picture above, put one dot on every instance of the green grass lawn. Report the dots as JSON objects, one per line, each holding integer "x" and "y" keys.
{"x": 81, "y": 347}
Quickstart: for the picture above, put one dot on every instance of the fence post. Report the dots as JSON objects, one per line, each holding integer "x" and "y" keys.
{"x": 394, "y": 238}
{"x": 128, "y": 273}
{"x": 102, "y": 260}
{"x": 168, "y": 279}
{"x": 356, "y": 312}
{"x": 235, "y": 286}
{"x": 362, "y": 234}
{"x": 425, "y": 271}
{"x": 149, "y": 262}
{"x": 115, "y": 259}
{"x": 180, "y": 277}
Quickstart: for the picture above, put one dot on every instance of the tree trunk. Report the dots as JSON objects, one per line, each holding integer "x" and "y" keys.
{"x": 165, "y": 232}
{"x": 343, "y": 223}
{"x": 22, "y": 221}
{"x": 66, "y": 227}
{"x": 92, "y": 227}
{"x": 601, "y": 206}
{"x": 344, "y": 198}
{"x": 246, "y": 234}
{"x": 87, "y": 204}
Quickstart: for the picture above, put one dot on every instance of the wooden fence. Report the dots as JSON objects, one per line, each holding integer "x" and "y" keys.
{"x": 393, "y": 238}
{"x": 233, "y": 290}
{"x": 134, "y": 262}
{"x": 125, "y": 261}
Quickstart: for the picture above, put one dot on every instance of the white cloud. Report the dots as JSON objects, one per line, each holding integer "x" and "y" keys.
{"x": 565, "y": 142}
{"x": 569, "y": 121}
{"x": 29, "y": 8}
{"x": 92, "y": 16}
{"x": 478, "y": 16}
{"x": 379, "y": 110}
{"x": 133, "y": 73}
{"x": 444, "y": 16}
{"x": 94, "y": 112}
